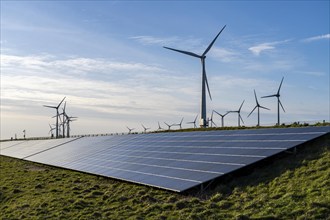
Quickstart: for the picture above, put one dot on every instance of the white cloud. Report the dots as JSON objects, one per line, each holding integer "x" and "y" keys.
{"x": 315, "y": 38}
{"x": 154, "y": 40}
{"x": 189, "y": 43}
{"x": 45, "y": 79}
{"x": 256, "y": 50}
{"x": 312, "y": 73}
{"x": 225, "y": 55}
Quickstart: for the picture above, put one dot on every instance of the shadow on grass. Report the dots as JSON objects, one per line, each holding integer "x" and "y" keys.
{"x": 266, "y": 170}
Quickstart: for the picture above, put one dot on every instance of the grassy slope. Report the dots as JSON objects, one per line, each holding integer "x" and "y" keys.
{"x": 290, "y": 187}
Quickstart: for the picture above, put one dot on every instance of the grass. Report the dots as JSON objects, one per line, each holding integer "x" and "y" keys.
{"x": 292, "y": 186}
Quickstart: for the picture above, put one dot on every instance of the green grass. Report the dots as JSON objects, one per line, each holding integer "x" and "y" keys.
{"x": 292, "y": 186}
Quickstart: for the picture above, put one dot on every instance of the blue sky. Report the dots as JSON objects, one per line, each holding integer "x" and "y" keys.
{"x": 107, "y": 58}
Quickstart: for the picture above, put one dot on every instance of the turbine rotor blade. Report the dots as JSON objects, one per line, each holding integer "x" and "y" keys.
{"x": 184, "y": 52}
{"x": 217, "y": 113}
{"x": 241, "y": 118}
{"x": 48, "y": 106}
{"x": 196, "y": 118}
{"x": 241, "y": 106}
{"x": 252, "y": 110}
{"x": 281, "y": 105}
{"x": 275, "y": 95}
{"x": 263, "y": 107}
{"x": 211, "y": 44}
{"x": 61, "y": 102}
{"x": 207, "y": 84}
{"x": 279, "y": 88}
{"x": 255, "y": 96}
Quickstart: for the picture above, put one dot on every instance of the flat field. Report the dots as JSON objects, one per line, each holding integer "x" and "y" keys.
{"x": 291, "y": 186}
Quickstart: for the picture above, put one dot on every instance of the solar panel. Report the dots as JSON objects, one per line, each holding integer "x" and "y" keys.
{"x": 175, "y": 161}
{"x": 22, "y": 149}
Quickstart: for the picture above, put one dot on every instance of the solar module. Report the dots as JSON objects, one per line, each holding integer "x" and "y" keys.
{"x": 22, "y": 149}
{"x": 174, "y": 161}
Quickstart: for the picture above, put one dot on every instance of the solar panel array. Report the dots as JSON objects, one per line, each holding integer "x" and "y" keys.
{"x": 175, "y": 161}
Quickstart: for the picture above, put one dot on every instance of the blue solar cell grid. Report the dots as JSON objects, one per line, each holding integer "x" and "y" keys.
{"x": 173, "y": 160}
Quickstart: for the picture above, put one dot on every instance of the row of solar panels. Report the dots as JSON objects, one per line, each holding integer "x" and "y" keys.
{"x": 175, "y": 161}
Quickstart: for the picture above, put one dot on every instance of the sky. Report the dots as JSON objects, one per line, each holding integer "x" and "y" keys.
{"x": 107, "y": 59}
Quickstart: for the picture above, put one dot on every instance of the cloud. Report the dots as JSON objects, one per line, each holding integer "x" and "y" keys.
{"x": 315, "y": 38}
{"x": 256, "y": 50}
{"x": 312, "y": 73}
{"x": 134, "y": 88}
{"x": 189, "y": 43}
{"x": 154, "y": 40}
{"x": 225, "y": 55}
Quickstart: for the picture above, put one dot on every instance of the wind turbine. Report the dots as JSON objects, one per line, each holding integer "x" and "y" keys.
{"x": 159, "y": 128}
{"x": 277, "y": 95}
{"x": 130, "y": 129}
{"x": 145, "y": 129}
{"x": 193, "y": 122}
{"x": 51, "y": 130}
{"x": 57, "y": 114}
{"x": 180, "y": 124}
{"x": 211, "y": 120}
{"x": 64, "y": 119}
{"x": 203, "y": 121}
{"x": 169, "y": 126}
{"x": 222, "y": 117}
{"x": 68, "y": 120}
{"x": 257, "y": 106}
{"x": 239, "y": 114}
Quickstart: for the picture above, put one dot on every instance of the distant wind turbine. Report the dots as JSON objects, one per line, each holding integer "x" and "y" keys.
{"x": 51, "y": 130}
{"x": 169, "y": 126}
{"x": 159, "y": 127}
{"x": 64, "y": 119}
{"x": 239, "y": 114}
{"x": 68, "y": 120}
{"x": 130, "y": 129}
{"x": 180, "y": 124}
{"x": 222, "y": 117}
{"x": 193, "y": 122}
{"x": 145, "y": 128}
{"x": 211, "y": 120}
{"x": 203, "y": 121}
{"x": 57, "y": 115}
{"x": 257, "y": 106}
{"x": 277, "y": 95}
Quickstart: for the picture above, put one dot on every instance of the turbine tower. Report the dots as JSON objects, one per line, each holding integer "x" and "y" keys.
{"x": 239, "y": 114}
{"x": 277, "y": 95}
{"x": 257, "y": 106}
{"x": 57, "y": 114}
{"x": 64, "y": 119}
{"x": 203, "y": 120}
